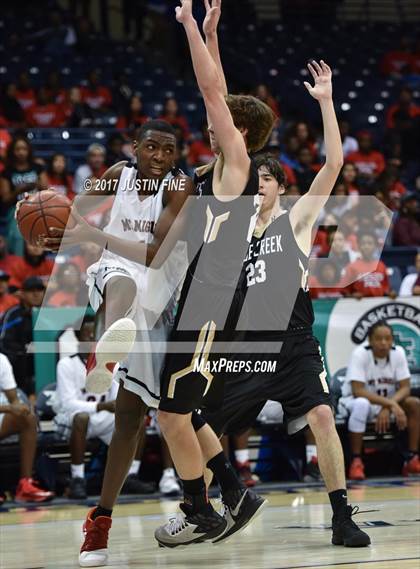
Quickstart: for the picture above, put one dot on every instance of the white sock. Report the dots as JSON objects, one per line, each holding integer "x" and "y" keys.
{"x": 310, "y": 452}
{"x": 168, "y": 470}
{"x": 77, "y": 470}
{"x": 135, "y": 467}
{"x": 242, "y": 455}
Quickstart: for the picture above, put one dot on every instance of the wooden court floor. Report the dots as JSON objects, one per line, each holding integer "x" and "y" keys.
{"x": 292, "y": 533}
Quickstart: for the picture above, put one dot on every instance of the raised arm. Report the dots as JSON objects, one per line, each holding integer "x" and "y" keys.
{"x": 231, "y": 141}
{"x": 306, "y": 210}
{"x": 210, "y": 24}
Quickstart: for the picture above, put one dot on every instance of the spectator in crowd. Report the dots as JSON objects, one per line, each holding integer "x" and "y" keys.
{"x": 16, "y": 418}
{"x": 5, "y": 140}
{"x": 327, "y": 282}
{"x": 367, "y": 275}
{"x": 96, "y": 96}
{"x": 340, "y": 251}
{"x": 7, "y": 261}
{"x": 44, "y": 113}
{"x": 22, "y": 174}
{"x": 76, "y": 112}
{"x": 82, "y": 416}
{"x": 34, "y": 263}
{"x": 349, "y": 143}
{"x": 305, "y": 137}
{"x": 349, "y": 176}
{"x": 122, "y": 92}
{"x": 410, "y": 285}
{"x": 290, "y": 152}
{"x": 25, "y": 94}
{"x": 7, "y": 300}
{"x": 55, "y": 91}
{"x": 349, "y": 225}
{"x": 11, "y": 110}
{"x": 397, "y": 62}
{"x": 172, "y": 115}
{"x": 406, "y": 231}
{"x": 58, "y": 177}
{"x": 262, "y": 92}
{"x": 404, "y": 105}
{"x": 200, "y": 152}
{"x": 340, "y": 202}
{"x": 68, "y": 281}
{"x": 182, "y": 149}
{"x": 16, "y": 334}
{"x": 369, "y": 162}
{"x": 134, "y": 115}
{"x": 306, "y": 169}
{"x": 93, "y": 169}
{"x": 377, "y": 388}
{"x": 115, "y": 149}
{"x": 390, "y": 187}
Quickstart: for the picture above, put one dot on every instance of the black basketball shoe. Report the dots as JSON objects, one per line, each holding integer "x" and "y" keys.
{"x": 77, "y": 490}
{"x": 187, "y": 528}
{"x": 240, "y": 507}
{"x": 346, "y": 532}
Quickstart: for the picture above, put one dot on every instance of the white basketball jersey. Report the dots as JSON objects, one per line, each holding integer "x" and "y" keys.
{"x": 381, "y": 376}
{"x": 133, "y": 217}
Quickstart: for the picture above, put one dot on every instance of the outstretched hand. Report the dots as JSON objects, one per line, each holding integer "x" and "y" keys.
{"x": 322, "y": 74}
{"x": 184, "y": 12}
{"x": 213, "y": 13}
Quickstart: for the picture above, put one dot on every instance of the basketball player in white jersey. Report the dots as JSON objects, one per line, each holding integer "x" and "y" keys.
{"x": 118, "y": 288}
{"x": 377, "y": 388}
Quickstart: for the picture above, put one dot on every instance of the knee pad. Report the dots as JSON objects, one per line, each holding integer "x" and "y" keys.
{"x": 197, "y": 421}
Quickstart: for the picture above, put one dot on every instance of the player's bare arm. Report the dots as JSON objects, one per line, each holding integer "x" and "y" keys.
{"x": 307, "y": 209}
{"x": 210, "y": 25}
{"x": 231, "y": 173}
{"x": 172, "y": 217}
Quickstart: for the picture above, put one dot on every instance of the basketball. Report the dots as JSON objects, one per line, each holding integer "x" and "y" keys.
{"x": 40, "y": 212}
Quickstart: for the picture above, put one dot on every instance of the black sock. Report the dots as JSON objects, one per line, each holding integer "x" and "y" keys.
{"x": 99, "y": 511}
{"x": 195, "y": 494}
{"x": 224, "y": 473}
{"x": 355, "y": 456}
{"x": 338, "y": 500}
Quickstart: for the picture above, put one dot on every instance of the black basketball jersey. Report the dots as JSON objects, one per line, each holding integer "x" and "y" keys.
{"x": 224, "y": 229}
{"x": 275, "y": 275}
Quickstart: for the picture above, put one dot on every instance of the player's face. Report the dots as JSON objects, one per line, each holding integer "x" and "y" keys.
{"x": 269, "y": 189}
{"x": 156, "y": 154}
{"x": 381, "y": 342}
{"x": 367, "y": 246}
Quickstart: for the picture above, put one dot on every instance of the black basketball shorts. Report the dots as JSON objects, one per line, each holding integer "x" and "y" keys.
{"x": 297, "y": 381}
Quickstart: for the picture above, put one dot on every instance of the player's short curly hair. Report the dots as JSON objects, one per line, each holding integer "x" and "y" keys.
{"x": 253, "y": 115}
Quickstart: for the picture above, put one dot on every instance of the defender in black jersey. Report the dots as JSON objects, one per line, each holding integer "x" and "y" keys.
{"x": 222, "y": 221}
{"x": 277, "y": 319}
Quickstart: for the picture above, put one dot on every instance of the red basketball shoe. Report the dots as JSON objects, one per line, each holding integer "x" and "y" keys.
{"x": 357, "y": 470}
{"x": 29, "y": 491}
{"x": 411, "y": 467}
{"x": 94, "y": 550}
